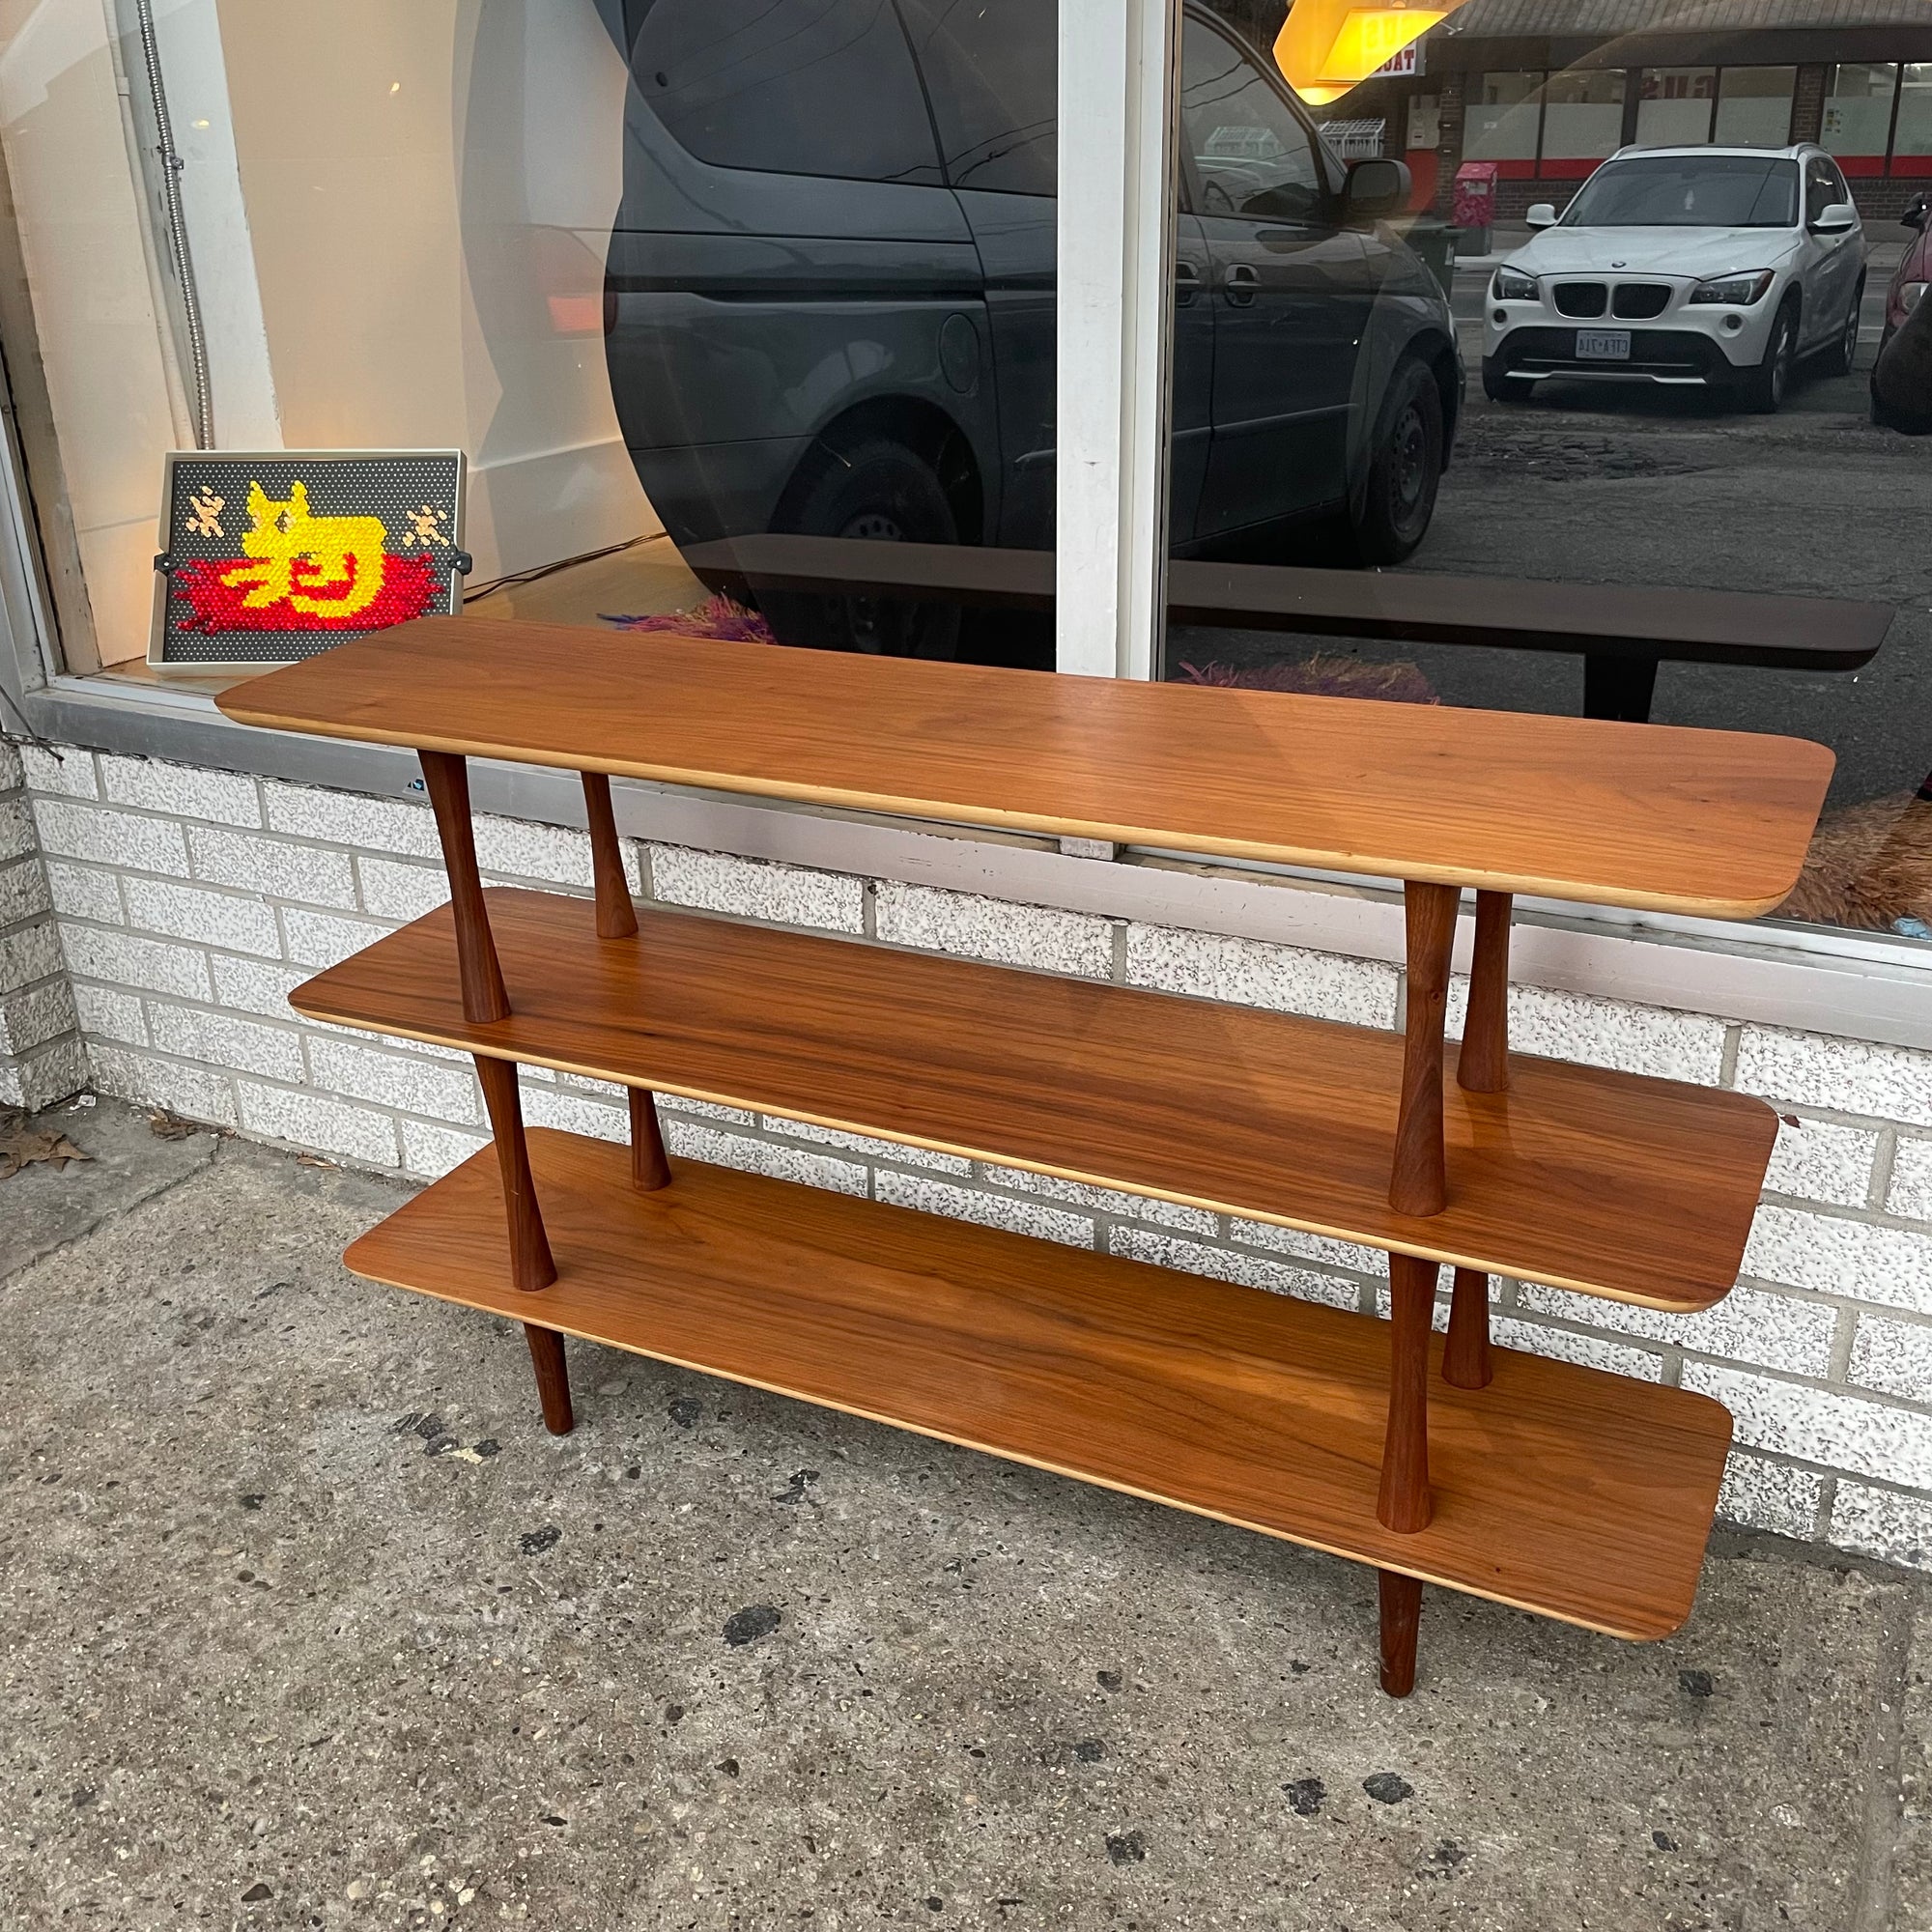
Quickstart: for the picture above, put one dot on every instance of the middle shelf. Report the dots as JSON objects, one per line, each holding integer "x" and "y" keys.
{"x": 1638, "y": 1189}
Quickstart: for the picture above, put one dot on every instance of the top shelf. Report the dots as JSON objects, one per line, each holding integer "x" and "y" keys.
{"x": 1712, "y": 823}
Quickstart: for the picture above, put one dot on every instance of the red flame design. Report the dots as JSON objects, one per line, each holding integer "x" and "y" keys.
{"x": 409, "y": 589}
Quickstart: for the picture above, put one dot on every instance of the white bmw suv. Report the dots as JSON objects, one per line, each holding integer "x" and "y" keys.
{"x": 1712, "y": 267}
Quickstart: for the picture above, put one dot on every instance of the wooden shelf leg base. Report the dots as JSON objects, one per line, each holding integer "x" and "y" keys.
{"x": 1466, "y": 1355}
{"x": 1404, "y": 1503}
{"x": 1402, "y": 1619}
{"x": 1483, "y": 1064}
{"x": 553, "y": 1383}
{"x": 616, "y": 916}
{"x": 447, "y": 777}
{"x": 1418, "y": 1179}
{"x": 530, "y": 1264}
{"x": 650, "y": 1167}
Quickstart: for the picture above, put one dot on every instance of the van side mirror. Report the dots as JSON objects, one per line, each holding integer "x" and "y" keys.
{"x": 1541, "y": 214}
{"x": 1838, "y": 217}
{"x": 1914, "y": 215}
{"x": 1376, "y": 187}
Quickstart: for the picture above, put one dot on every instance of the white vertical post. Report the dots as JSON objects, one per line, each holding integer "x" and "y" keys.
{"x": 1116, "y": 270}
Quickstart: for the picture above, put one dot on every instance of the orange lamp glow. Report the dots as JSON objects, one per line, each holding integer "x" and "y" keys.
{"x": 1328, "y": 46}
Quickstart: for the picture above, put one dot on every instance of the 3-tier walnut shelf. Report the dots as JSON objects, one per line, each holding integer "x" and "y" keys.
{"x": 1539, "y": 1483}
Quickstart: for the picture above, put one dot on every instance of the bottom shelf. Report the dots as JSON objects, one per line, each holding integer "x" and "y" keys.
{"x": 1560, "y": 1490}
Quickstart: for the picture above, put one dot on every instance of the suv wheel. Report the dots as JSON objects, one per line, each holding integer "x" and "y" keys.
{"x": 1764, "y": 387}
{"x": 1838, "y": 358}
{"x": 1405, "y": 468}
{"x": 1502, "y": 388}
{"x": 877, "y": 489}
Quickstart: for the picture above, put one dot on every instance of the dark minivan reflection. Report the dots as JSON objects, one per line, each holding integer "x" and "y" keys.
{"x": 830, "y": 297}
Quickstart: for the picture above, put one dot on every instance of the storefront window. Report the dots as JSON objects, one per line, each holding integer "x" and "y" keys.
{"x": 1754, "y": 106}
{"x": 673, "y": 275}
{"x": 1611, "y": 403}
{"x": 681, "y": 277}
{"x": 1912, "y": 138}
{"x": 1674, "y": 110}
{"x": 1858, "y": 116}
{"x": 1582, "y": 121}
{"x": 1504, "y": 116}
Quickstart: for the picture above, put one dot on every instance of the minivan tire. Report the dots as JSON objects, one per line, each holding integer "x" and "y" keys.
{"x": 1405, "y": 468}
{"x": 877, "y": 488}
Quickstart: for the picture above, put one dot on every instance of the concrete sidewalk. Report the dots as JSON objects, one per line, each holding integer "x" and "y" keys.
{"x": 305, "y": 1622}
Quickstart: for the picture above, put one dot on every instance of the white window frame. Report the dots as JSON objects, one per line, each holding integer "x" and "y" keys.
{"x": 1118, "y": 149}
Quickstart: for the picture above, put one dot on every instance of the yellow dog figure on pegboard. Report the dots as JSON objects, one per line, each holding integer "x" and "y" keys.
{"x": 343, "y": 557}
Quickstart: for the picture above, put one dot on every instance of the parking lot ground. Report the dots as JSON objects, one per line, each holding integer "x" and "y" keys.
{"x": 1613, "y": 485}
{"x": 306, "y": 1622}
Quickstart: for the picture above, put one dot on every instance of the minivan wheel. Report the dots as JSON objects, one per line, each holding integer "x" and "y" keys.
{"x": 880, "y": 490}
{"x": 1405, "y": 468}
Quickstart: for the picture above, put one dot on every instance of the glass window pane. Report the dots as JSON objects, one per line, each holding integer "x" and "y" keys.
{"x": 697, "y": 279}
{"x": 1445, "y": 389}
{"x": 1690, "y": 191}
{"x": 1249, "y": 153}
{"x": 1754, "y": 106}
{"x": 1674, "y": 110}
{"x": 990, "y": 69}
{"x": 1583, "y": 116}
{"x": 747, "y": 84}
{"x": 1912, "y": 136}
{"x": 1858, "y": 112}
{"x": 1502, "y": 118}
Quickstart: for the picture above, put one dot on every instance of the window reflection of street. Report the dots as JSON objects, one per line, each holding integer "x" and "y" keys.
{"x": 1634, "y": 486}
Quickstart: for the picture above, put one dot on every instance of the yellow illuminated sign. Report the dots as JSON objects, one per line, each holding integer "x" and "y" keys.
{"x": 1328, "y": 46}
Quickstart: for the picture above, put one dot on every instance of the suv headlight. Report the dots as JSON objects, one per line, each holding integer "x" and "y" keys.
{"x": 1512, "y": 287}
{"x": 1908, "y": 293}
{"x": 1734, "y": 291}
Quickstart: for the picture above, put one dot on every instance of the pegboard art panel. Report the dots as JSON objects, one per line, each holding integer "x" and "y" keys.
{"x": 271, "y": 556}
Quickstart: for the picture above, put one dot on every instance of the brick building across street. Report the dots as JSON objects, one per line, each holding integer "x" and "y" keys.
{"x": 1545, "y": 88}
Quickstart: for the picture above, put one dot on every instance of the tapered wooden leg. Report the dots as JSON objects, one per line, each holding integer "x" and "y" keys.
{"x": 530, "y": 1264}
{"x": 616, "y": 916}
{"x": 1466, "y": 1355}
{"x": 1418, "y": 1181}
{"x": 1483, "y": 1064}
{"x": 650, "y": 1167}
{"x": 1404, "y": 1503}
{"x": 448, "y": 779}
{"x": 1401, "y": 1618}
{"x": 553, "y": 1378}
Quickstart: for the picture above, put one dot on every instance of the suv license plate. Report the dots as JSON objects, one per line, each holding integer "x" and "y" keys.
{"x": 1603, "y": 345}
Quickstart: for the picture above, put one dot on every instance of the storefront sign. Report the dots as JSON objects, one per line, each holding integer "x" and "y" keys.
{"x": 1328, "y": 46}
{"x": 271, "y": 556}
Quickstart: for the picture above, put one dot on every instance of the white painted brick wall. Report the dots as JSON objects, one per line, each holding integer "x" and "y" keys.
{"x": 1042, "y": 937}
{"x": 190, "y": 904}
{"x": 24, "y": 893}
{"x": 1911, "y": 1191}
{"x": 1249, "y": 973}
{"x": 1847, "y": 1076}
{"x": 753, "y": 889}
{"x": 42, "y": 1055}
{"x": 1606, "y": 1032}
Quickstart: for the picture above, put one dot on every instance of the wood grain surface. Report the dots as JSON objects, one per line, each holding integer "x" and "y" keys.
{"x": 1582, "y": 1495}
{"x": 1654, "y": 816}
{"x": 1640, "y": 1189}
